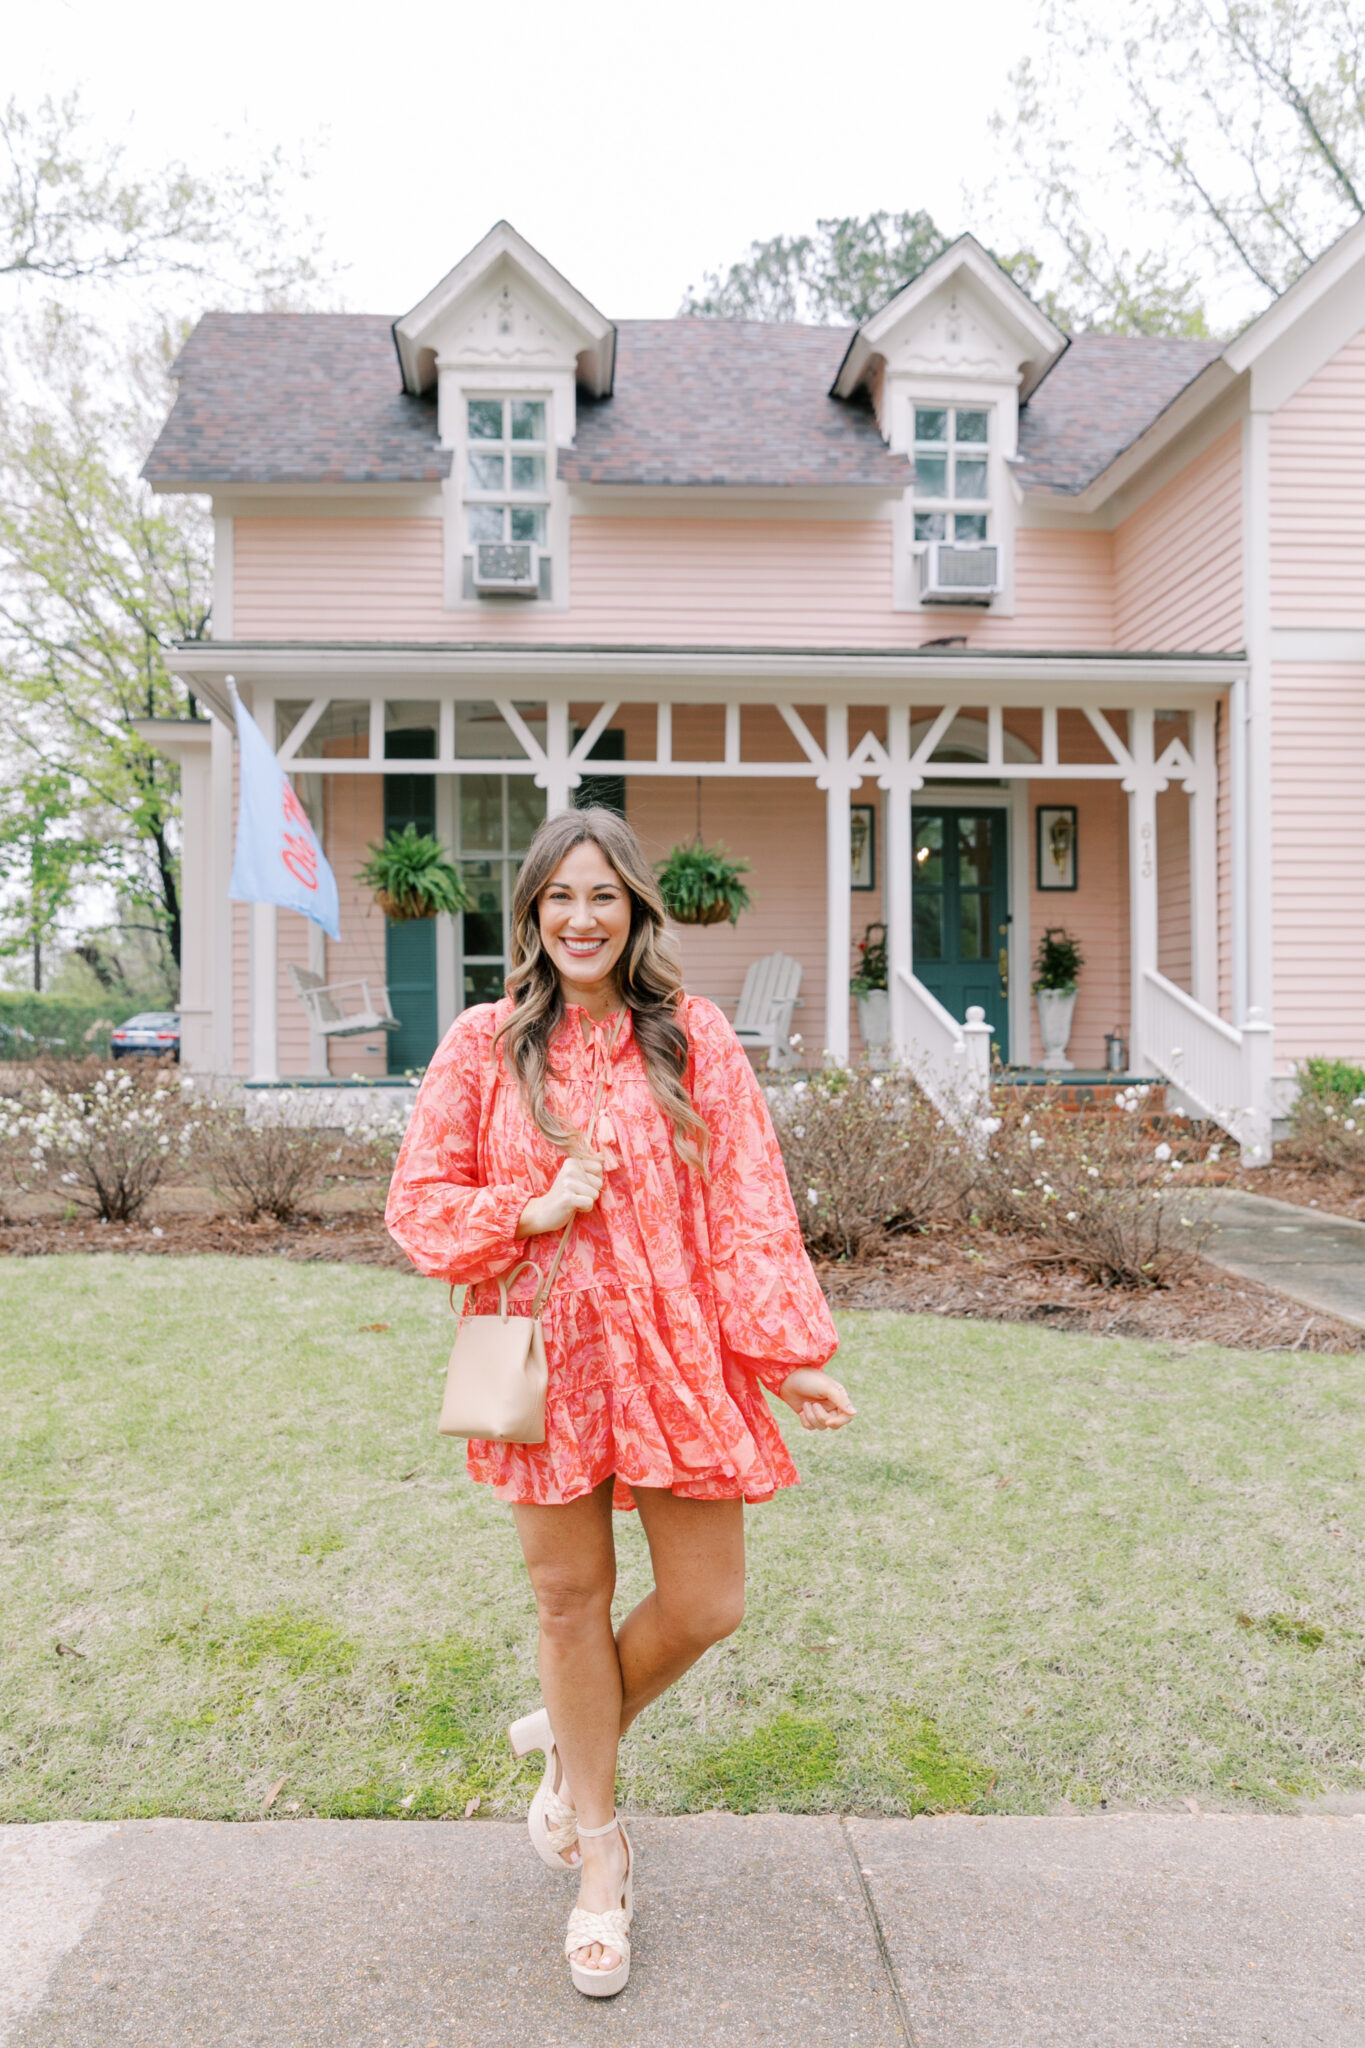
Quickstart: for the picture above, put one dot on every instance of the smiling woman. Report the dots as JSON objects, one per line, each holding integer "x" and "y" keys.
{"x": 614, "y": 1122}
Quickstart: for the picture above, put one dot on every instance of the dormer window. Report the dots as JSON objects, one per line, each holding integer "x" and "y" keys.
{"x": 952, "y": 465}
{"x": 507, "y": 492}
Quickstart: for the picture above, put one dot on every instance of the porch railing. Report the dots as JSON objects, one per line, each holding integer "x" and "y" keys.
{"x": 1224, "y": 1071}
{"x": 950, "y": 1061}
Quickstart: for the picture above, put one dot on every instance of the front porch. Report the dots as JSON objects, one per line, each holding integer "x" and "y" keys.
{"x": 955, "y": 764}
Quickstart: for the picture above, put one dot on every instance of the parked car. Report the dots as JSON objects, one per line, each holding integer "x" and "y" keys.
{"x": 152, "y": 1031}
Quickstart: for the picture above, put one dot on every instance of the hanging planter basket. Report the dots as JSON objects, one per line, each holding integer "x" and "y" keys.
{"x": 702, "y": 885}
{"x": 403, "y": 909}
{"x": 413, "y": 877}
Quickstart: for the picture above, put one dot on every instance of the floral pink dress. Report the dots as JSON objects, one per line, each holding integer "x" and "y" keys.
{"x": 681, "y": 1296}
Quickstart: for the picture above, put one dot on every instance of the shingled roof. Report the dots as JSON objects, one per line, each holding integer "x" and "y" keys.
{"x": 284, "y": 398}
{"x": 728, "y": 402}
{"x": 273, "y": 398}
{"x": 1098, "y": 398}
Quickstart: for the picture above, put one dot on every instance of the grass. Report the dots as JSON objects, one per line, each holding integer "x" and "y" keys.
{"x": 1040, "y": 1567}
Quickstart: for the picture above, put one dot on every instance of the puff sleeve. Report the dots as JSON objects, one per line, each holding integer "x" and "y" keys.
{"x": 773, "y": 1316}
{"x": 439, "y": 1211}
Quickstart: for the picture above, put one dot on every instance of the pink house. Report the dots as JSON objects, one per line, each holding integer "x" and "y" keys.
{"x": 949, "y": 621}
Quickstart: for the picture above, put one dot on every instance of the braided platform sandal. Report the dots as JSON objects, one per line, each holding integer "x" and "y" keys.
{"x": 551, "y": 1823}
{"x": 611, "y": 1929}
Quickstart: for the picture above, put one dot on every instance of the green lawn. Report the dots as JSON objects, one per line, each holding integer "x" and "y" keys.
{"x": 1037, "y": 1567}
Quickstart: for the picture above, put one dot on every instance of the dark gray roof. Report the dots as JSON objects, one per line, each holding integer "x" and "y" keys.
{"x": 728, "y": 402}
{"x": 1097, "y": 398}
{"x": 317, "y": 398}
{"x": 276, "y": 398}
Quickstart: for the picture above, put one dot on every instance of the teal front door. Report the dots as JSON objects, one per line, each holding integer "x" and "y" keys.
{"x": 410, "y": 949}
{"x": 960, "y": 893}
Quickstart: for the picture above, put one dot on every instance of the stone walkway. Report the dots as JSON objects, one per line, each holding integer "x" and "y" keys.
{"x": 1318, "y": 1260}
{"x": 1122, "y": 1931}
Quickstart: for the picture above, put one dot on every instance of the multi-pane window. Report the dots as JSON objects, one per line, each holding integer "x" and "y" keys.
{"x": 506, "y": 476}
{"x": 495, "y": 817}
{"x": 952, "y": 450}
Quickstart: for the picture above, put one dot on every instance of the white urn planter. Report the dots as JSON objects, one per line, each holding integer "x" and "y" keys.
{"x": 1056, "y": 1007}
{"x": 874, "y": 1023}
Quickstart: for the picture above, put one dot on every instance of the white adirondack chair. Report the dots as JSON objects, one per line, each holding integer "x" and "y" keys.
{"x": 763, "y": 1015}
{"x": 327, "y": 1005}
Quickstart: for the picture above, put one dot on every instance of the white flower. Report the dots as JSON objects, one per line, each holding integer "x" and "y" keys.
{"x": 1350, "y": 1123}
{"x": 1162, "y": 1152}
{"x": 796, "y": 1041}
{"x": 1215, "y": 1153}
{"x": 988, "y": 1125}
{"x": 798, "y": 1130}
{"x": 157, "y": 1231}
{"x": 1071, "y": 1215}
{"x": 813, "y": 1197}
{"x": 877, "y": 1081}
{"x": 1035, "y": 1139}
{"x": 1093, "y": 1171}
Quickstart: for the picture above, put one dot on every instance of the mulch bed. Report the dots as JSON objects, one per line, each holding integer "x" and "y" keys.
{"x": 950, "y": 1271}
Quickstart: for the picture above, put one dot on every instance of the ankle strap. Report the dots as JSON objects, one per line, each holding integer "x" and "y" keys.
{"x": 614, "y": 1822}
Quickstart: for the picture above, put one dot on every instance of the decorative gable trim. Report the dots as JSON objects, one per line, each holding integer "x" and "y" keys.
{"x": 983, "y": 318}
{"x": 544, "y": 320}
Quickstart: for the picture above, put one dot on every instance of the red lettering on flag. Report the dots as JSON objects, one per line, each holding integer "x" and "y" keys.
{"x": 300, "y": 856}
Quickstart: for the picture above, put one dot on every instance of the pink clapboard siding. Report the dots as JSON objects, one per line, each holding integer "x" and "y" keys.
{"x": 1177, "y": 560}
{"x": 1317, "y": 498}
{"x": 1319, "y": 885}
{"x": 734, "y": 582}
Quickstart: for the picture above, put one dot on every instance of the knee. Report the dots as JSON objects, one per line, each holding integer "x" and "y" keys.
{"x": 570, "y": 1606}
{"x": 708, "y": 1618}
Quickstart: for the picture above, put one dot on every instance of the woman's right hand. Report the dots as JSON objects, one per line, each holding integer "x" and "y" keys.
{"x": 576, "y": 1187}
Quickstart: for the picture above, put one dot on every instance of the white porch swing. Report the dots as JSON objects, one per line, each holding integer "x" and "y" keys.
{"x": 327, "y": 1005}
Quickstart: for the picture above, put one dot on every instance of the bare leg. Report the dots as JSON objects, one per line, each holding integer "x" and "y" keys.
{"x": 571, "y": 1558}
{"x": 697, "y": 1550}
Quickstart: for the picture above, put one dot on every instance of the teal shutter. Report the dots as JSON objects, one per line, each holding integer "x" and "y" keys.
{"x": 410, "y": 949}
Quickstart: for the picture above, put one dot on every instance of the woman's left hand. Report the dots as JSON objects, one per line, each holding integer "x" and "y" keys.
{"x": 818, "y": 1398}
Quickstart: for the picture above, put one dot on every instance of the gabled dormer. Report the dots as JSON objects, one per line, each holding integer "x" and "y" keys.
{"x": 506, "y": 342}
{"x": 947, "y": 364}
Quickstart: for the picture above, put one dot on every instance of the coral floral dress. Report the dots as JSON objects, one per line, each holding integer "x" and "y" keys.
{"x": 681, "y": 1296}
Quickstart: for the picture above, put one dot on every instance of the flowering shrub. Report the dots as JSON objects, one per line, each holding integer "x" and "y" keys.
{"x": 1099, "y": 1188}
{"x": 106, "y": 1138}
{"x": 1327, "y": 1122}
{"x": 867, "y": 1156}
{"x": 266, "y": 1168}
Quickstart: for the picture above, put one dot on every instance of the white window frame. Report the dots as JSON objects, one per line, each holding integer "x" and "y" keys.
{"x": 507, "y": 500}
{"x": 508, "y": 860}
{"x": 456, "y": 394}
{"x": 951, "y": 506}
{"x": 909, "y": 392}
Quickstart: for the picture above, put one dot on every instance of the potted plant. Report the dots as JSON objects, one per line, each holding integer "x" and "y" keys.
{"x": 701, "y": 884}
{"x": 1056, "y": 967}
{"x": 413, "y": 876}
{"x": 869, "y": 985}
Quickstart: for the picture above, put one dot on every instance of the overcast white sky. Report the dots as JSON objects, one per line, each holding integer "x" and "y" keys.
{"x": 634, "y": 145}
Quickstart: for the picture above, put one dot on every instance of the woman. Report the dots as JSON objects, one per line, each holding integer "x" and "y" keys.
{"x": 684, "y": 1292}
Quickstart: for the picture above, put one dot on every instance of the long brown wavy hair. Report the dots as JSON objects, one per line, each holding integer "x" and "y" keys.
{"x": 648, "y": 975}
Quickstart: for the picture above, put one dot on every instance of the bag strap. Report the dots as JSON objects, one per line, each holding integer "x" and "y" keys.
{"x": 542, "y": 1294}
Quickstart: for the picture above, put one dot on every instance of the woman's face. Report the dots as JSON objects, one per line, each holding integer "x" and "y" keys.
{"x": 584, "y": 912}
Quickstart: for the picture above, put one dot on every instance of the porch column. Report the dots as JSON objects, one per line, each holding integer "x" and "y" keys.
{"x": 265, "y": 1025}
{"x": 1203, "y": 802}
{"x": 899, "y": 873}
{"x": 220, "y": 908}
{"x": 838, "y": 881}
{"x": 1142, "y": 897}
{"x": 558, "y": 787}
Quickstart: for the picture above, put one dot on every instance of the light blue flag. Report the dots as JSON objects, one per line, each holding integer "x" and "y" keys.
{"x": 278, "y": 858}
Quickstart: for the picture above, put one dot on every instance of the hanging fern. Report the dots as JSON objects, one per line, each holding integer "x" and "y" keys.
{"x": 701, "y": 885}
{"x": 413, "y": 876}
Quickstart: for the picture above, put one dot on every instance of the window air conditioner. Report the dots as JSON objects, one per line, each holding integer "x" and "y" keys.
{"x": 506, "y": 568}
{"x": 953, "y": 574}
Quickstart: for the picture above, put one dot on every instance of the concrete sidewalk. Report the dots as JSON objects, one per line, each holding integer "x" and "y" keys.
{"x": 1124, "y": 1931}
{"x": 1315, "y": 1259}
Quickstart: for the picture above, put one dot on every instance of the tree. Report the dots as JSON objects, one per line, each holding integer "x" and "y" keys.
{"x": 841, "y": 274}
{"x": 98, "y": 579}
{"x": 68, "y": 215}
{"x": 44, "y": 855}
{"x": 1240, "y": 137}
